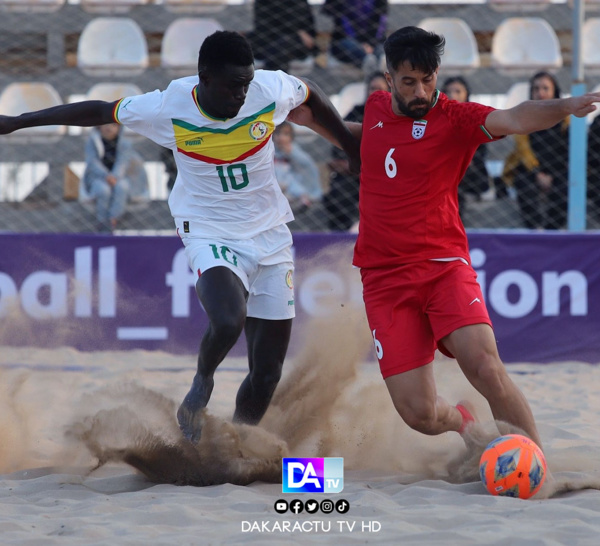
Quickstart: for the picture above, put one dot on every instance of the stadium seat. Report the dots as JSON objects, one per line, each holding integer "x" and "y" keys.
{"x": 195, "y": 6}
{"x": 495, "y": 100}
{"x": 349, "y": 96}
{"x": 112, "y": 46}
{"x": 181, "y": 43}
{"x": 517, "y": 93}
{"x": 31, "y": 6}
{"x": 110, "y": 91}
{"x": 111, "y": 6}
{"x": 461, "y": 51}
{"x": 591, "y": 45}
{"x": 518, "y": 5}
{"x": 521, "y": 45}
{"x": 20, "y": 97}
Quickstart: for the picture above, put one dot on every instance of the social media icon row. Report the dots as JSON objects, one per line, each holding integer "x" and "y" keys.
{"x": 311, "y": 506}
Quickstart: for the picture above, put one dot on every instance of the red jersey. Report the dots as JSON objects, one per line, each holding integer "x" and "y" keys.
{"x": 409, "y": 180}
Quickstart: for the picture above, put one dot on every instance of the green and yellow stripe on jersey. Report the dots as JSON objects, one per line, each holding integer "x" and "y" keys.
{"x": 234, "y": 143}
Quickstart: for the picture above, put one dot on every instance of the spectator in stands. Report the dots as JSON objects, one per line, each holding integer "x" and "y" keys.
{"x": 593, "y": 182}
{"x": 296, "y": 172}
{"x": 114, "y": 173}
{"x": 282, "y": 32}
{"x": 538, "y": 166}
{"x": 359, "y": 30}
{"x": 341, "y": 201}
{"x": 476, "y": 180}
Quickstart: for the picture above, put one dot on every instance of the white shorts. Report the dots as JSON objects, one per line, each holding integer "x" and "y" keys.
{"x": 264, "y": 264}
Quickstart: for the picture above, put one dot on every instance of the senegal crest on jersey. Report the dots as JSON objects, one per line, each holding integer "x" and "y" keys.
{"x": 226, "y": 145}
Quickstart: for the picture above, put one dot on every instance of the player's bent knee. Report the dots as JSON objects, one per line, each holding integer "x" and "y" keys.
{"x": 491, "y": 378}
{"x": 422, "y": 420}
{"x": 228, "y": 327}
{"x": 266, "y": 381}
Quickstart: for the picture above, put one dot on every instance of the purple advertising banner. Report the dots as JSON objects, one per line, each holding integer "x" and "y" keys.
{"x": 96, "y": 292}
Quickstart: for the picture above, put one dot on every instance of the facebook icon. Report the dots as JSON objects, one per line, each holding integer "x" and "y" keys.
{"x": 313, "y": 475}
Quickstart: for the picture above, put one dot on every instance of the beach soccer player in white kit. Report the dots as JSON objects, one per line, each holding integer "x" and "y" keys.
{"x": 227, "y": 205}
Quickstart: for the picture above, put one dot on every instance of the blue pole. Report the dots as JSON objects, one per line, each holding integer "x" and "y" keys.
{"x": 577, "y": 210}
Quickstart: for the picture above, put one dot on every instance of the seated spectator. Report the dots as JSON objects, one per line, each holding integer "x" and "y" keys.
{"x": 296, "y": 172}
{"x": 476, "y": 181}
{"x": 114, "y": 173}
{"x": 593, "y": 181}
{"x": 538, "y": 168}
{"x": 282, "y": 32}
{"x": 341, "y": 201}
{"x": 359, "y": 30}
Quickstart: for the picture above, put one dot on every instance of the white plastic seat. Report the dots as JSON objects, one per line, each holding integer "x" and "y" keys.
{"x": 461, "y": 51}
{"x": 181, "y": 43}
{"x": 195, "y": 6}
{"x": 495, "y": 100}
{"x": 522, "y": 45}
{"x": 517, "y": 93}
{"x": 20, "y": 97}
{"x": 112, "y": 46}
{"x": 110, "y": 6}
{"x": 31, "y": 6}
{"x": 590, "y": 38}
{"x": 111, "y": 91}
{"x": 349, "y": 96}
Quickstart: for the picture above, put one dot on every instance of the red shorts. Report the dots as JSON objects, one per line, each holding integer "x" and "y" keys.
{"x": 411, "y": 307}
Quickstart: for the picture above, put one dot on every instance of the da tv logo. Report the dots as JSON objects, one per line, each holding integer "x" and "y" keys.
{"x": 313, "y": 475}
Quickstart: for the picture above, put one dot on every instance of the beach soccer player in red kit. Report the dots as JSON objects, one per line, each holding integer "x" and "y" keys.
{"x": 419, "y": 288}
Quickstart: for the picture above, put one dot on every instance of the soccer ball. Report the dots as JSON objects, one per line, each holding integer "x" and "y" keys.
{"x": 512, "y": 466}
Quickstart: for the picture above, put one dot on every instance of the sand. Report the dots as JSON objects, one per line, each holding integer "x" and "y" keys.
{"x": 69, "y": 419}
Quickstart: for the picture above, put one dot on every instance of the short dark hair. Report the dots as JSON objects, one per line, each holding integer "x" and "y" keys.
{"x": 544, "y": 74}
{"x": 224, "y": 47}
{"x": 422, "y": 49}
{"x": 460, "y": 80}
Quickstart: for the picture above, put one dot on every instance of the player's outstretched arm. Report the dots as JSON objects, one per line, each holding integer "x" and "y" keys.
{"x": 325, "y": 115}
{"x": 82, "y": 114}
{"x": 303, "y": 115}
{"x": 536, "y": 115}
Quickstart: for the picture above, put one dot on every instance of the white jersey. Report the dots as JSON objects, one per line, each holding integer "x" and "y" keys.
{"x": 226, "y": 185}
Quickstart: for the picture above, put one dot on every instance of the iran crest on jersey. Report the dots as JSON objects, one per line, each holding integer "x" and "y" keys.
{"x": 418, "y": 128}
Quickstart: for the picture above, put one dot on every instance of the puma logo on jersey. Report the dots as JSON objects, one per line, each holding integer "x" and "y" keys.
{"x": 476, "y": 299}
{"x": 378, "y": 124}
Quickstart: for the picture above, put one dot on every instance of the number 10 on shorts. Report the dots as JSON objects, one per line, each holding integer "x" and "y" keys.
{"x": 313, "y": 475}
